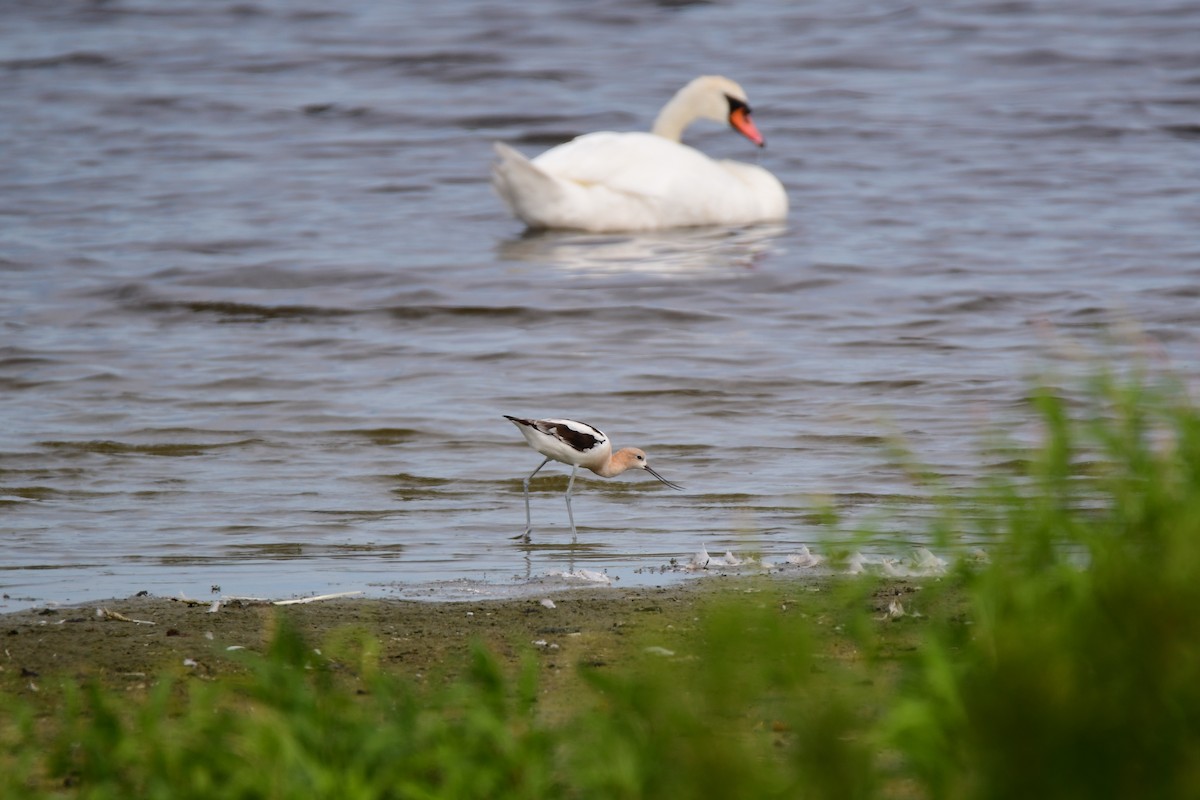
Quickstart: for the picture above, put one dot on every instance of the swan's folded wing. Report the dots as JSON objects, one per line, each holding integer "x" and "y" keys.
{"x": 632, "y": 163}
{"x": 633, "y": 181}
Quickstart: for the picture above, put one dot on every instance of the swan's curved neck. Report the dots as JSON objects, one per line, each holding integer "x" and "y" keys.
{"x": 707, "y": 97}
{"x": 674, "y": 118}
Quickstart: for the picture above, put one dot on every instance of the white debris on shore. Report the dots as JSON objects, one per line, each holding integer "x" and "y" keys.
{"x": 921, "y": 563}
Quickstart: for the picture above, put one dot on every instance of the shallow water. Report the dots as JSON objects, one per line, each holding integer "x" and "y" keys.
{"x": 263, "y": 313}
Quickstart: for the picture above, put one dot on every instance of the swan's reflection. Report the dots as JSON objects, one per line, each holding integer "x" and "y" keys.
{"x": 685, "y": 250}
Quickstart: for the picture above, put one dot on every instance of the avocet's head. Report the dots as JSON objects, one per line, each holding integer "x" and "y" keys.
{"x": 633, "y": 458}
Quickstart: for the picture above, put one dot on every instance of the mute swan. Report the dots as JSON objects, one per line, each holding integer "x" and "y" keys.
{"x": 607, "y": 182}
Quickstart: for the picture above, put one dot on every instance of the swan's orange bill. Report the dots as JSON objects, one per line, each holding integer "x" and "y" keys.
{"x": 739, "y": 118}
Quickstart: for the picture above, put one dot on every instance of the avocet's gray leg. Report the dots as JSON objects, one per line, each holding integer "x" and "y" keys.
{"x": 570, "y": 516}
{"x": 525, "y": 483}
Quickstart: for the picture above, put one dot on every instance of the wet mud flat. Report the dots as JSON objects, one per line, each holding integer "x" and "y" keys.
{"x": 130, "y": 643}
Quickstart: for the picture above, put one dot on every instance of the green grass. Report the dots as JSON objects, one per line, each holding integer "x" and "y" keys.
{"x": 1066, "y": 666}
{"x": 1079, "y": 676}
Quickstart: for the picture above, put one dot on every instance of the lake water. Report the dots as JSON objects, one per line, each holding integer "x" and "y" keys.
{"x": 262, "y": 313}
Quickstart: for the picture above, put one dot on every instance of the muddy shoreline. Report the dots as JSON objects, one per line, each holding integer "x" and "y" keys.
{"x": 126, "y": 642}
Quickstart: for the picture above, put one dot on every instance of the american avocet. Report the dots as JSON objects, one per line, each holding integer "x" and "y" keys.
{"x": 580, "y": 445}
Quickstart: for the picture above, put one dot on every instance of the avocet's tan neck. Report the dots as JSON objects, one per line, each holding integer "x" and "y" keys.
{"x": 623, "y": 459}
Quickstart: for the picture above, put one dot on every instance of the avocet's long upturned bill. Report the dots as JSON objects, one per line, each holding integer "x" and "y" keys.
{"x": 580, "y": 445}
{"x": 607, "y": 181}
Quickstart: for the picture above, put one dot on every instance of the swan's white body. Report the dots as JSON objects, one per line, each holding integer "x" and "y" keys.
{"x": 607, "y": 182}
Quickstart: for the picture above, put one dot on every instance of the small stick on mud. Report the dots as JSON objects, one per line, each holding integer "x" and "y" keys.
{"x": 315, "y": 599}
{"x": 104, "y": 613}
